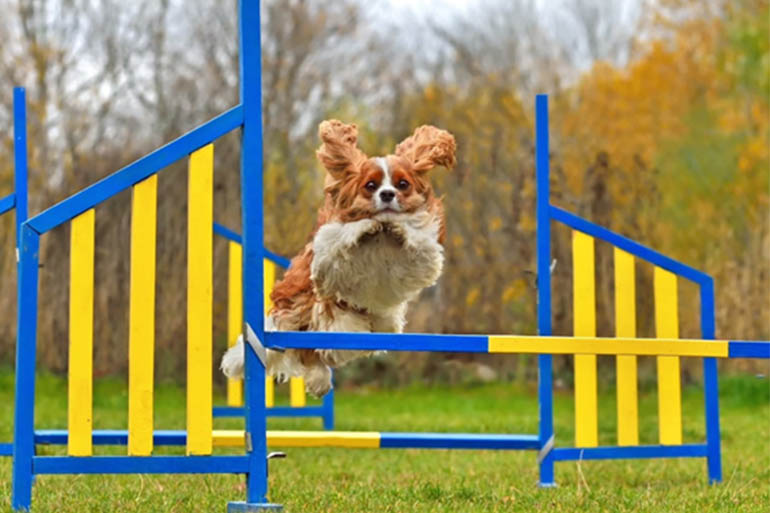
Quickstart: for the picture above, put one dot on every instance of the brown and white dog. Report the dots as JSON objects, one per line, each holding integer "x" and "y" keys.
{"x": 377, "y": 244}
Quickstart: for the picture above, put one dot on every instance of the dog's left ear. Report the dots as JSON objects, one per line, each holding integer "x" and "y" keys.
{"x": 428, "y": 147}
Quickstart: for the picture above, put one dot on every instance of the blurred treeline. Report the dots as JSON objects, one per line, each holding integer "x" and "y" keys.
{"x": 659, "y": 131}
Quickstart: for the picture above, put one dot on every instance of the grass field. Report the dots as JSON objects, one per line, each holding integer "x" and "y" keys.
{"x": 325, "y": 480}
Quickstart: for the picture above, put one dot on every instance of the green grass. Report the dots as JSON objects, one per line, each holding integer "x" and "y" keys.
{"x": 340, "y": 480}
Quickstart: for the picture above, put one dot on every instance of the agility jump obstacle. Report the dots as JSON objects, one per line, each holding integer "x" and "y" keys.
{"x": 199, "y": 438}
{"x": 298, "y": 407}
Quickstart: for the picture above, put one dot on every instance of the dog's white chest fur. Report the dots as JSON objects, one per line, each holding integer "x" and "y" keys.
{"x": 377, "y": 264}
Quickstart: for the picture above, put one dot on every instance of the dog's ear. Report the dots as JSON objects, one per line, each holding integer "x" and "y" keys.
{"x": 428, "y": 147}
{"x": 338, "y": 152}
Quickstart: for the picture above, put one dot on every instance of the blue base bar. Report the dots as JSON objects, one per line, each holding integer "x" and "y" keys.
{"x": 639, "y": 451}
{"x": 456, "y": 441}
{"x": 277, "y": 411}
{"x": 6, "y": 449}
{"x": 247, "y": 507}
{"x": 111, "y": 437}
{"x": 140, "y": 465}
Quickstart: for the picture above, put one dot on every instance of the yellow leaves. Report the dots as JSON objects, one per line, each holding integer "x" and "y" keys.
{"x": 514, "y": 291}
{"x": 527, "y": 222}
{"x": 472, "y": 297}
{"x": 458, "y": 241}
{"x": 495, "y": 224}
{"x": 430, "y": 93}
{"x": 752, "y": 154}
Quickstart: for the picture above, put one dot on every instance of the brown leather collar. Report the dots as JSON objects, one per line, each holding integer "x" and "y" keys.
{"x": 344, "y": 305}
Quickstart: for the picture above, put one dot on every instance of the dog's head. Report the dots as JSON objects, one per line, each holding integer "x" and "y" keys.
{"x": 358, "y": 186}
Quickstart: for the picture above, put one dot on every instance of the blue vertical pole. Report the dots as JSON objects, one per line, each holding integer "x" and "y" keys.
{"x": 20, "y": 158}
{"x": 252, "y": 215}
{"x": 26, "y": 318}
{"x": 710, "y": 385}
{"x": 328, "y": 410}
{"x": 545, "y": 388}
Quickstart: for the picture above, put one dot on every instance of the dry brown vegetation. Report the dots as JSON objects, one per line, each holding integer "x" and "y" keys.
{"x": 662, "y": 136}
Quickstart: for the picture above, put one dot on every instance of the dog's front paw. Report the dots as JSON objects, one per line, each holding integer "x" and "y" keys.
{"x": 367, "y": 229}
{"x": 318, "y": 380}
{"x": 396, "y": 231}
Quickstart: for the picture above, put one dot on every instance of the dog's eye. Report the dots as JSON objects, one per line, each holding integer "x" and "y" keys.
{"x": 370, "y": 186}
{"x": 402, "y": 185}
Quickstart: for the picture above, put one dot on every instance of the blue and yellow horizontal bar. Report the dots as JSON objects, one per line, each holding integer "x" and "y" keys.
{"x": 518, "y": 344}
{"x": 349, "y": 439}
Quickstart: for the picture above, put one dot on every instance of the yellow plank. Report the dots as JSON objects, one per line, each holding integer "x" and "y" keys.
{"x": 269, "y": 391}
{"x": 297, "y": 392}
{"x": 269, "y": 281}
{"x": 141, "y": 330}
{"x": 200, "y": 268}
{"x": 357, "y": 439}
{"x": 350, "y": 439}
{"x": 669, "y": 386}
{"x": 625, "y": 365}
{"x": 80, "y": 391}
{"x": 517, "y": 344}
{"x": 234, "y": 314}
{"x": 269, "y": 278}
{"x": 584, "y": 321}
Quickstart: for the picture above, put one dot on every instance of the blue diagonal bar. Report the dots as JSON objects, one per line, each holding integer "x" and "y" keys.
{"x": 7, "y": 203}
{"x": 628, "y": 245}
{"x": 137, "y": 171}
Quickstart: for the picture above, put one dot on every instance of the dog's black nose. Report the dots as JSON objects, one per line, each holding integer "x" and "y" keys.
{"x": 387, "y": 196}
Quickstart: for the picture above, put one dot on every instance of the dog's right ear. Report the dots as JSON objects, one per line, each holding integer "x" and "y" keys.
{"x": 338, "y": 152}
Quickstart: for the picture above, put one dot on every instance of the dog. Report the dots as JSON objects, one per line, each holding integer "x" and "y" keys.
{"x": 377, "y": 243}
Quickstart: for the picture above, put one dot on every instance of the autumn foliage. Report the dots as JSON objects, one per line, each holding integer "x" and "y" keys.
{"x": 666, "y": 142}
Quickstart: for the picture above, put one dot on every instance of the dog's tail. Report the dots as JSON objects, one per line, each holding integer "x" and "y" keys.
{"x": 232, "y": 361}
{"x": 281, "y": 365}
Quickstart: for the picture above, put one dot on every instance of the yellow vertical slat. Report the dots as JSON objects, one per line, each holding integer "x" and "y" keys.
{"x": 234, "y": 314}
{"x": 669, "y": 387}
{"x": 296, "y": 384}
{"x": 625, "y": 326}
{"x": 141, "y": 331}
{"x": 584, "y": 315}
{"x": 80, "y": 392}
{"x": 297, "y": 392}
{"x": 269, "y": 281}
{"x": 269, "y": 391}
{"x": 200, "y": 269}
